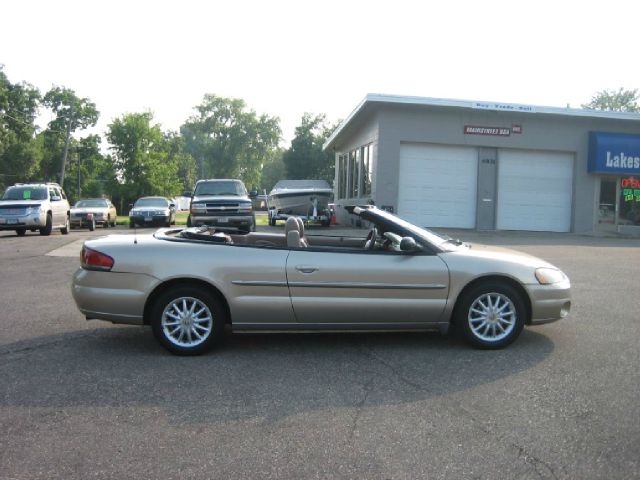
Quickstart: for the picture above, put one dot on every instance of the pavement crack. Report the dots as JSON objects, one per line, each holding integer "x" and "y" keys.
{"x": 541, "y": 468}
{"x": 368, "y": 387}
{"x": 397, "y": 372}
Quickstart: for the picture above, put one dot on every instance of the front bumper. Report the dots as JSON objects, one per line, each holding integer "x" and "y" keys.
{"x": 549, "y": 302}
{"x": 12, "y": 222}
{"x": 149, "y": 221}
{"x": 83, "y": 221}
{"x": 243, "y": 222}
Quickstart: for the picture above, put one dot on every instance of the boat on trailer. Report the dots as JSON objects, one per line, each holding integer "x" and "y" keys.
{"x": 308, "y": 199}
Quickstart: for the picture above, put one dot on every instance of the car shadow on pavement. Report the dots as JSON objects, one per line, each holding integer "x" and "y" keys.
{"x": 266, "y": 376}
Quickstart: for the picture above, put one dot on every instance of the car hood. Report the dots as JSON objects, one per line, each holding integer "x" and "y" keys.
{"x": 149, "y": 209}
{"x": 220, "y": 198}
{"x": 21, "y": 203}
{"x": 474, "y": 260}
{"x": 89, "y": 210}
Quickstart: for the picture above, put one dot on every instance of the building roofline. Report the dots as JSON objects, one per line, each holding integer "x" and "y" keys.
{"x": 477, "y": 105}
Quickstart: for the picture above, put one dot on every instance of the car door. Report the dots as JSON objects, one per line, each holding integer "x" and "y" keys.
{"x": 355, "y": 287}
{"x": 57, "y": 206}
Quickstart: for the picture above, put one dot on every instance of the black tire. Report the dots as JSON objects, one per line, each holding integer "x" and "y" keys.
{"x": 106, "y": 223}
{"x": 491, "y": 306}
{"x": 272, "y": 220}
{"x": 189, "y": 221}
{"x": 21, "y": 232}
{"x": 46, "y": 230}
{"x": 67, "y": 226}
{"x": 213, "y": 320}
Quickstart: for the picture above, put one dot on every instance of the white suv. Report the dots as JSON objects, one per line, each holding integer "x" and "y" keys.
{"x": 31, "y": 206}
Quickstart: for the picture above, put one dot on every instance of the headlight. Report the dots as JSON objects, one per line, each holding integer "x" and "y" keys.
{"x": 547, "y": 276}
{"x": 32, "y": 210}
{"x": 195, "y": 208}
{"x": 98, "y": 214}
{"x": 162, "y": 213}
{"x": 244, "y": 207}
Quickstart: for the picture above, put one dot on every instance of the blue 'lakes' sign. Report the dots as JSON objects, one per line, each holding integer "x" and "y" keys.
{"x": 614, "y": 153}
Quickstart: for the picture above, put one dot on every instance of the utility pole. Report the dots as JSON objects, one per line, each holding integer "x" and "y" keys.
{"x": 79, "y": 196}
{"x": 66, "y": 146}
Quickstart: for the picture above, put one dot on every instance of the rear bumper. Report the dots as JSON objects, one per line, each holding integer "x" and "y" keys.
{"x": 549, "y": 302}
{"x": 122, "y": 295}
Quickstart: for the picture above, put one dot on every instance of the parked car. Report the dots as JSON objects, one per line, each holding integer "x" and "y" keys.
{"x": 187, "y": 284}
{"x": 90, "y": 212}
{"x": 34, "y": 206}
{"x": 152, "y": 211}
{"x": 222, "y": 202}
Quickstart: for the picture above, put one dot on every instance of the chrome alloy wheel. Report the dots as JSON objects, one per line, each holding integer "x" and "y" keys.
{"x": 492, "y": 317}
{"x": 187, "y": 322}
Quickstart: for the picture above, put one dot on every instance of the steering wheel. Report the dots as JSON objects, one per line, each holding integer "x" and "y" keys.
{"x": 371, "y": 239}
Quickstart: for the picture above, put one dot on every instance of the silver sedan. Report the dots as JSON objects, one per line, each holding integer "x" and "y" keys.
{"x": 187, "y": 284}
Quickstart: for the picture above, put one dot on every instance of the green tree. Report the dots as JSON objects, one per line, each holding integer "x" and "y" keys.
{"x": 187, "y": 170}
{"x": 20, "y": 150}
{"x": 141, "y": 157}
{"x": 97, "y": 176}
{"x": 71, "y": 113}
{"x": 620, "y": 100}
{"x": 272, "y": 171}
{"x": 305, "y": 159}
{"x": 229, "y": 141}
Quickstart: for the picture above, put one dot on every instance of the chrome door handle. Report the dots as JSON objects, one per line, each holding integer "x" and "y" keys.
{"x": 306, "y": 268}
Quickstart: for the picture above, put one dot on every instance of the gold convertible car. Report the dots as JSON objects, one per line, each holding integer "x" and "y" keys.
{"x": 187, "y": 284}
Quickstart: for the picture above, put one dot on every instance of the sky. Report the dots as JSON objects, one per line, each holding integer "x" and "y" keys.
{"x": 285, "y": 58}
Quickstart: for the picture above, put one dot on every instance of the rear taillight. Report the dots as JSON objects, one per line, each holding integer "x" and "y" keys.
{"x": 94, "y": 260}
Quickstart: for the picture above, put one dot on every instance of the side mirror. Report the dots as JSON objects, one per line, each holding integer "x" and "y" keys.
{"x": 131, "y": 205}
{"x": 172, "y": 205}
{"x": 253, "y": 194}
{"x": 408, "y": 244}
{"x": 56, "y": 198}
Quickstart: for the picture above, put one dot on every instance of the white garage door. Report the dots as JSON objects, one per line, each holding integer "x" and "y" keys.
{"x": 534, "y": 191}
{"x": 438, "y": 185}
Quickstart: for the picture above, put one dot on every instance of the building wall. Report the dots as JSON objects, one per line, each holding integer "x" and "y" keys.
{"x": 393, "y": 124}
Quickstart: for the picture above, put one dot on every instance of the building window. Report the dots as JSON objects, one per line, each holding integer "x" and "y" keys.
{"x": 355, "y": 171}
{"x": 629, "y": 201}
{"x": 342, "y": 175}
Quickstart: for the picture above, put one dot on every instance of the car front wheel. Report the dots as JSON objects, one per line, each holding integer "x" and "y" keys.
{"x": 65, "y": 230}
{"x": 491, "y": 315}
{"x": 187, "y": 320}
{"x": 46, "y": 230}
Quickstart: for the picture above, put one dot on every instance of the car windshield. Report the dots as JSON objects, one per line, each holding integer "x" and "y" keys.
{"x": 91, "y": 203}
{"x": 419, "y": 232}
{"x": 220, "y": 188}
{"x": 151, "y": 202}
{"x": 25, "y": 193}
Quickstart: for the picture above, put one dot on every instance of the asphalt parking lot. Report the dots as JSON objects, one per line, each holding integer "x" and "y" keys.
{"x": 85, "y": 399}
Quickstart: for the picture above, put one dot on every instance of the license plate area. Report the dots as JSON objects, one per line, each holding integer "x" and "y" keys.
{"x": 223, "y": 219}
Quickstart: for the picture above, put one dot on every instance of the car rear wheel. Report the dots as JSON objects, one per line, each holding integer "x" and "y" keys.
{"x": 187, "y": 320}
{"x": 46, "y": 230}
{"x": 491, "y": 315}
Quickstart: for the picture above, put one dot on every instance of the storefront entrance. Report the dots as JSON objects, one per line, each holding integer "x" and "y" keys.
{"x": 619, "y": 205}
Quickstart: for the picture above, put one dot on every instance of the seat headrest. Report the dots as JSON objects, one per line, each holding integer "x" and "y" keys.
{"x": 293, "y": 239}
{"x": 300, "y": 226}
{"x": 291, "y": 224}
